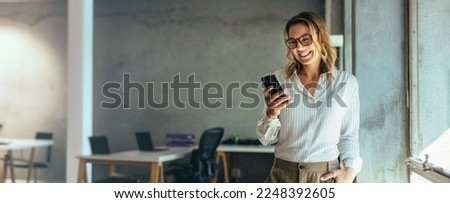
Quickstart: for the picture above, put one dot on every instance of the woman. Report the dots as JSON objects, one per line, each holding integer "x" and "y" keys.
{"x": 314, "y": 120}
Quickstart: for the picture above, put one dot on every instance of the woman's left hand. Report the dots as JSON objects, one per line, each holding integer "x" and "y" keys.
{"x": 346, "y": 175}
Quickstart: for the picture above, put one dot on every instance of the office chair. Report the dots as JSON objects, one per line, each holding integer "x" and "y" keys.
{"x": 22, "y": 163}
{"x": 99, "y": 145}
{"x": 202, "y": 165}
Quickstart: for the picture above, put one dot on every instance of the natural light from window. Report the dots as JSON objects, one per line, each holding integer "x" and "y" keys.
{"x": 439, "y": 155}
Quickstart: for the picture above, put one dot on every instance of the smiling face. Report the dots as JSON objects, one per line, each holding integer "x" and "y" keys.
{"x": 309, "y": 55}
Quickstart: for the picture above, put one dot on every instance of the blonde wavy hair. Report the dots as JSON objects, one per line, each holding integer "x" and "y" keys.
{"x": 321, "y": 39}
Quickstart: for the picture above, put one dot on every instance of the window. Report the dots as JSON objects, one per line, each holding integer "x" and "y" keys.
{"x": 429, "y": 92}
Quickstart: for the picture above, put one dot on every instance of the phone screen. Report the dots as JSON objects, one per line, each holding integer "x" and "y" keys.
{"x": 269, "y": 80}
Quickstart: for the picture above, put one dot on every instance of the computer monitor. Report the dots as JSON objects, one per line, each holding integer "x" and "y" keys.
{"x": 145, "y": 143}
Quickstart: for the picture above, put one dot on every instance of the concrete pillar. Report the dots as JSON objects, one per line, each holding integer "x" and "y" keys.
{"x": 79, "y": 83}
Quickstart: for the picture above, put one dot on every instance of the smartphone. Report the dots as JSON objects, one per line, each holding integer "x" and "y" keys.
{"x": 269, "y": 80}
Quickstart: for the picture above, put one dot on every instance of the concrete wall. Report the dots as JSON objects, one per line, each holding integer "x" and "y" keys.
{"x": 218, "y": 41}
{"x": 380, "y": 65}
{"x": 33, "y": 76}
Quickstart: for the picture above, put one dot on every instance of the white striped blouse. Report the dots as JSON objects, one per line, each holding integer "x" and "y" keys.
{"x": 319, "y": 127}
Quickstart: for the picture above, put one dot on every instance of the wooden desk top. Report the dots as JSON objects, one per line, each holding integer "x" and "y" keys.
{"x": 16, "y": 143}
{"x": 171, "y": 154}
{"x": 246, "y": 148}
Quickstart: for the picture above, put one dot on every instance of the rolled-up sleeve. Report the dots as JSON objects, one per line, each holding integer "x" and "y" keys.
{"x": 267, "y": 129}
{"x": 348, "y": 142}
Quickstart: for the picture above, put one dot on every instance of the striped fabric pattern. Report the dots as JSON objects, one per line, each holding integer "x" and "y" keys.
{"x": 319, "y": 127}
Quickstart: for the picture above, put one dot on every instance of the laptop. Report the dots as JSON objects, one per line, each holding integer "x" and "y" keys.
{"x": 145, "y": 143}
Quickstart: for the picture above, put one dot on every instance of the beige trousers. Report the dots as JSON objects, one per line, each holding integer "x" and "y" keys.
{"x": 290, "y": 172}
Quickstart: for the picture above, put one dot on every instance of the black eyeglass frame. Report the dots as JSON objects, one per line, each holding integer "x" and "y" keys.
{"x": 289, "y": 41}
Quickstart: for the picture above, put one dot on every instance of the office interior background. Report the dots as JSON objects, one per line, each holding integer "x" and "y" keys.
{"x": 397, "y": 49}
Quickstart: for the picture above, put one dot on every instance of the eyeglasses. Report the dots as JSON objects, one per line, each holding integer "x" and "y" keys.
{"x": 304, "y": 40}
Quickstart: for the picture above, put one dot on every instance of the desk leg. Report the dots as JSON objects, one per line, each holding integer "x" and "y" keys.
{"x": 235, "y": 166}
{"x": 222, "y": 156}
{"x": 11, "y": 166}
{"x": 161, "y": 172}
{"x": 112, "y": 170}
{"x": 82, "y": 176}
{"x": 5, "y": 171}
{"x": 30, "y": 165}
{"x": 156, "y": 173}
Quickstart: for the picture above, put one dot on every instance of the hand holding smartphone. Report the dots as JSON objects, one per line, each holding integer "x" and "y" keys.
{"x": 269, "y": 80}
{"x": 280, "y": 101}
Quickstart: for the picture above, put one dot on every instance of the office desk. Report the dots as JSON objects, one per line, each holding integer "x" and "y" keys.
{"x": 10, "y": 144}
{"x": 154, "y": 160}
{"x": 223, "y": 150}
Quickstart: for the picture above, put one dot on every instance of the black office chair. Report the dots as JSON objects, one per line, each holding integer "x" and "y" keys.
{"x": 23, "y": 163}
{"x": 99, "y": 145}
{"x": 202, "y": 166}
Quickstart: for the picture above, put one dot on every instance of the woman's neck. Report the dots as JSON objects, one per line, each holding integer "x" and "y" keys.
{"x": 309, "y": 77}
{"x": 310, "y": 73}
